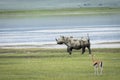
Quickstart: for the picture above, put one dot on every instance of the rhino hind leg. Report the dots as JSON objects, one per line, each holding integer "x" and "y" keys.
{"x": 89, "y": 49}
{"x": 83, "y": 50}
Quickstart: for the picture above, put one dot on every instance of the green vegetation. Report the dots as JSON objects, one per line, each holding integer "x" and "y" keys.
{"x": 57, "y": 64}
{"x": 58, "y": 12}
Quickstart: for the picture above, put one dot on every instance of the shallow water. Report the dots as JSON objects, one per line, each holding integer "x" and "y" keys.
{"x": 44, "y": 30}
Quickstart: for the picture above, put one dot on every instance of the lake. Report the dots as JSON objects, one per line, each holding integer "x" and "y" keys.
{"x": 44, "y": 30}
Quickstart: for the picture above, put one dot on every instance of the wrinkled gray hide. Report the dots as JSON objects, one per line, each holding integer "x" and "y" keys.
{"x": 72, "y": 43}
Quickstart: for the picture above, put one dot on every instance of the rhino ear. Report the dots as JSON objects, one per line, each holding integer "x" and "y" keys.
{"x": 62, "y": 36}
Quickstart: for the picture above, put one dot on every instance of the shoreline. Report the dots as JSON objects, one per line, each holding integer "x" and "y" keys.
{"x": 53, "y": 45}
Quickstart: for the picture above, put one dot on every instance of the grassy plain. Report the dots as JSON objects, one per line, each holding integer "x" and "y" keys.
{"x": 57, "y": 12}
{"x": 57, "y": 64}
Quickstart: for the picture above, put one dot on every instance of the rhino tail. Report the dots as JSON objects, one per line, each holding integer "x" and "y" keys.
{"x": 88, "y": 38}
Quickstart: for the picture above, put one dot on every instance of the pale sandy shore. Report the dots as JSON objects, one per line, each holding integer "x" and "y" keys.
{"x": 53, "y": 45}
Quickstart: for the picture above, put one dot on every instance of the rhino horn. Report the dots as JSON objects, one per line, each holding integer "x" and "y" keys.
{"x": 56, "y": 39}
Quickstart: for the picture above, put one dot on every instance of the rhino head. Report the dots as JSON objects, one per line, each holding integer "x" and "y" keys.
{"x": 60, "y": 40}
{"x": 63, "y": 39}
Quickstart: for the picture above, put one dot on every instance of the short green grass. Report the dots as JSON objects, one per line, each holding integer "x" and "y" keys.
{"x": 57, "y": 64}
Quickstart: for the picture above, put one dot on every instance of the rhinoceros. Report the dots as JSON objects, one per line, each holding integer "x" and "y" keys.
{"x": 73, "y": 43}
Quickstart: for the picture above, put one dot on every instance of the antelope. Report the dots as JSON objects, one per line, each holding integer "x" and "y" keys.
{"x": 97, "y": 64}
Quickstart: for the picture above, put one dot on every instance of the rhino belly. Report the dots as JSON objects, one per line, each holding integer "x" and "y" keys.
{"x": 77, "y": 47}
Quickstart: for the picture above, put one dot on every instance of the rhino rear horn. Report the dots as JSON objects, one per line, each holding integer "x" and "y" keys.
{"x": 71, "y": 36}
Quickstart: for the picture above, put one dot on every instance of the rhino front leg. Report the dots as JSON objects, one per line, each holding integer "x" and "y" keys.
{"x": 69, "y": 50}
